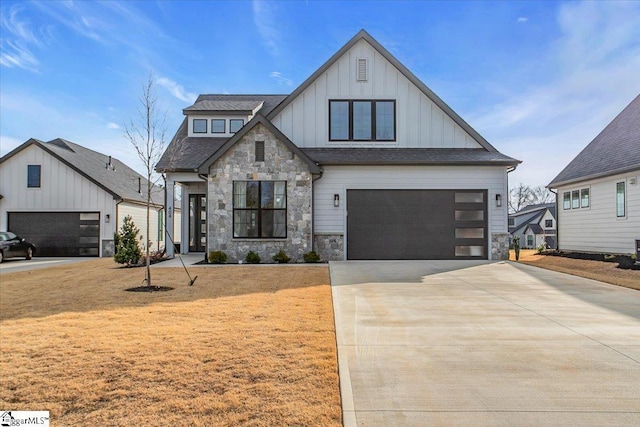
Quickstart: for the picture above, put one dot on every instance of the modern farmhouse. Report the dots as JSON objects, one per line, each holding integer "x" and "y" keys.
{"x": 361, "y": 161}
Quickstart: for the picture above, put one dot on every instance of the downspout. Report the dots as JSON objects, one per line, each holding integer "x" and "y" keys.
{"x": 557, "y": 222}
{"x": 509, "y": 170}
{"x": 313, "y": 211}
{"x": 117, "y": 223}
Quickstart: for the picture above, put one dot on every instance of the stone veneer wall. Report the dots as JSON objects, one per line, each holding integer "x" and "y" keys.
{"x": 238, "y": 164}
{"x": 330, "y": 247}
{"x": 108, "y": 248}
{"x": 499, "y": 246}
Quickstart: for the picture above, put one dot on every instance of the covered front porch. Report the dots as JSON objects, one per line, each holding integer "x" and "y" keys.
{"x": 193, "y": 205}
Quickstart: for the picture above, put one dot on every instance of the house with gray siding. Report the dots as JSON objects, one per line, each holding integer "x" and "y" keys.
{"x": 361, "y": 161}
{"x": 534, "y": 225}
{"x": 69, "y": 200}
{"x": 598, "y": 193}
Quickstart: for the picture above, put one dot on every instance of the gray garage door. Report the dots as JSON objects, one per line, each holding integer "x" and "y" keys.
{"x": 416, "y": 224}
{"x": 59, "y": 233}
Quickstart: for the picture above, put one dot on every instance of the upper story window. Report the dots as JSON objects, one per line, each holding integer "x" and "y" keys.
{"x": 235, "y": 125}
{"x": 199, "y": 125}
{"x": 362, "y": 120}
{"x": 218, "y": 125}
{"x": 33, "y": 176}
{"x": 576, "y": 199}
{"x": 512, "y": 222}
{"x": 620, "y": 199}
{"x": 548, "y": 223}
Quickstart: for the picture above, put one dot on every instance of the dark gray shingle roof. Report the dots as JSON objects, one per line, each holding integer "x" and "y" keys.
{"x": 408, "y": 156}
{"x": 535, "y": 228}
{"x": 228, "y": 105}
{"x": 187, "y": 154}
{"x": 218, "y": 102}
{"x": 615, "y": 150}
{"x": 119, "y": 179}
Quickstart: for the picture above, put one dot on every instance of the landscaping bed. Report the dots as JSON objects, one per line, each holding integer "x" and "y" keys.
{"x": 237, "y": 348}
{"x": 604, "y": 271}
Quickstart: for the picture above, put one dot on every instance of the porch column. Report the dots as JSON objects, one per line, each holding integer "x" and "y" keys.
{"x": 169, "y": 235}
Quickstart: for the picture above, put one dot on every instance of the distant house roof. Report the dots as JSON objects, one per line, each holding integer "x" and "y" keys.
{"x": 117, "y": 179}
{"x": 615, "y": 150}
{"x": 408, "y": 156}
{"x": 531, "y": 208}
{"x": 535, "y": 229}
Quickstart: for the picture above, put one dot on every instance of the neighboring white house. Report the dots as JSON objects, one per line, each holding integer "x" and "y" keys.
{"x": 599, "y": 192}
{"x": 361, "y": 161}
{"x": 534, "y": 225}
{"x": 69, "y": 200}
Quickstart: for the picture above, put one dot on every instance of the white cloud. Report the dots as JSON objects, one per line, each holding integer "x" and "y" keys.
{"x": 522, "y": 19}
{"x": 112, "y": 125}
{"x": 265, "y": 20}
{"x": 18, "y": 39}
{"x": 177, "y": 90}
{"x": 595, "y": 64}
{"x": 278, "y": 77}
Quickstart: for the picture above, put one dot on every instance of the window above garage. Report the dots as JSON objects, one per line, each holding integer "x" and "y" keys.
{"x": 33, "y": 176}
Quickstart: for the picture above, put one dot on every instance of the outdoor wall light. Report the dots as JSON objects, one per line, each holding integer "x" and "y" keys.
{"x": 499, "y": 200}
{"x": 336, "y": 200}
{"x": 107, "y": 218}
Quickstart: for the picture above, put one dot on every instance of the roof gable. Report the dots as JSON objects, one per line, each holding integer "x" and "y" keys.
{"x": 259, "y": 118}
{"x": 117, "y": 179}
{"x": 363, "y": 35}
{"x": 615, "y": 150}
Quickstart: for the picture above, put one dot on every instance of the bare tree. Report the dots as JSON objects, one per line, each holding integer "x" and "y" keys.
{"x": 146, "y": 132}
{"x": 519, "y": 197}
{"x": 541, "y": 194}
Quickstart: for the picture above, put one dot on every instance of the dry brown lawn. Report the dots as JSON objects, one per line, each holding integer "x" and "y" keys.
{"x": 246, "y": 345}
{"x": 598, "y": 270}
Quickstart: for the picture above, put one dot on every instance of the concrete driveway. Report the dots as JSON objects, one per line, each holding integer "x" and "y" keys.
{"x": 465, "y": 343}
{"x": 12, "y": 265}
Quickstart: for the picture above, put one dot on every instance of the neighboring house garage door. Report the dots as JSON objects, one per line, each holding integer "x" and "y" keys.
{"x": 59, "y": 233}
{"x": 416, "y": 224}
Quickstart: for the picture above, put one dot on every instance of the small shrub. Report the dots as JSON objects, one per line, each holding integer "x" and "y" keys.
{"x": 311, "y": 257}
{"x": 281, "y": 257}
{"x": 217, "y": 257}
{"x": 541, "y": 248}
{"x": 252, "y": 258}
{"x": 127, "y": 250}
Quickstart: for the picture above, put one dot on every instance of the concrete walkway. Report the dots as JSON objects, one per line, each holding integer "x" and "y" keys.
{"x": 464, "y": 343}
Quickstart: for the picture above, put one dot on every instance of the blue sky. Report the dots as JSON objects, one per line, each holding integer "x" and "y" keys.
{"x": 539, "y": 80}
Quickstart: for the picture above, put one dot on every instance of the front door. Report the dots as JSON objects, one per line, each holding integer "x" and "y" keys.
{"x": 197, "y": 222}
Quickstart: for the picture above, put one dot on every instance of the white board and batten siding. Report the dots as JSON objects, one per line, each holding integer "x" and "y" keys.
{"x": 419, "y": 122}
{"x": 138, "y": 214}
{"x": 597, "y": 228}
{"x": 62, "y": 189}
{"x": 338, "y": 179}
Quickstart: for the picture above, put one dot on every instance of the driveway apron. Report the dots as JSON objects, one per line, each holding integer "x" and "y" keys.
{"x": 476, "y": 343}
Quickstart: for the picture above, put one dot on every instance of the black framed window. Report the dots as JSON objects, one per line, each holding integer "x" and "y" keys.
{"x": 575, "y": 199}
{"x": 33, "y": 176}
{"x": 548, "y": 223}
{"x": 199, "y": 125}
{"x": 362, "y": 120}
{"x": 621, "y": 197}
{"x": 235, "y": 125}
{"x": 218, "y": 125}
{"x": 260, "y": 209}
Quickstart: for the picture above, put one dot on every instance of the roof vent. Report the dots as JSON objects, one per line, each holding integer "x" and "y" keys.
{"x": 361, "y": 69}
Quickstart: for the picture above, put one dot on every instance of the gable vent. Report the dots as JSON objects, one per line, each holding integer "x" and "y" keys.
{"x": 361, "y": 69}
